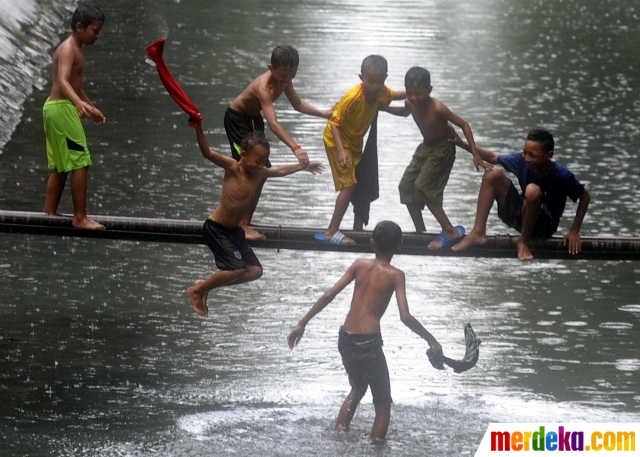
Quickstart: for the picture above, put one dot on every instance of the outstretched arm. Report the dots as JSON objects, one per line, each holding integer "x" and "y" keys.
{"x": 400, "y": 95}
{"x": 296, "y": 334}
{"x": 272, "y": 121}
{"x": 572, "y": 239}
{"x": 486, "y": 155}
{"x": 397, "y": 110}
{"x": 303, "y": 107}
{"x": 285, "y": 170}
{"x": 466, "y": 129}
{"x": 210, "y": 154}
{"x": 408, "y": 319}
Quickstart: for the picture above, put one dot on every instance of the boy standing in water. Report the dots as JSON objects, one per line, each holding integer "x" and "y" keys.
{"x": 67, "y": 150}
{"x": 243, "y": 115}
{"x": 360, "y": 341}
{"x": 343, "y": 138}
{"x": 427, "y": 175}
{"x": 222, "y": 232}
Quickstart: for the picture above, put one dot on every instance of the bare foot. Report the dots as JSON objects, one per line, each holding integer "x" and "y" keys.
{"x": 524, "y": 252}
{"x": 251, "y": 234}
{"x": 87, "y": 224}
{"x": 453, "y": 236}
{"x": 198, "y": 301}
{"x": 472, "y": 239}
{"x": 206, "y": 294}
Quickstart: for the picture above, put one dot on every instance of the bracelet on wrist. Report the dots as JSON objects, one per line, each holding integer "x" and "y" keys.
{"x": 295, "y": 148}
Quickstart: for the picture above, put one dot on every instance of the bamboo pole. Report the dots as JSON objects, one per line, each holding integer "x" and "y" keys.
{"x": 301, "y": 238}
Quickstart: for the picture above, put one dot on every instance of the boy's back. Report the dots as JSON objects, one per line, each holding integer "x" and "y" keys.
{"x": 375, "y": 282}
{"x": 360, "y": 342}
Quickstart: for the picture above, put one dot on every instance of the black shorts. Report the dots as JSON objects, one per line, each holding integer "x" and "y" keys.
{"x": 364, "y": 360}
{"x": 511, "y": 214}
{"x": 237, "y": 126}
{"x": 229, "y": 247}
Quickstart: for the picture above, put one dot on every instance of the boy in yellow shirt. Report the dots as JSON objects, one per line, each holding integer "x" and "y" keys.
{"x": 343, "y": 138}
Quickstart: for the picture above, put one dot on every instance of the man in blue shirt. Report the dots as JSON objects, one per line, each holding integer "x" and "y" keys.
{"x": 536, "y": 212}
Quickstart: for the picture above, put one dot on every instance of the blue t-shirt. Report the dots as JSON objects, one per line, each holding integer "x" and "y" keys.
{"x": 556, "y": 186}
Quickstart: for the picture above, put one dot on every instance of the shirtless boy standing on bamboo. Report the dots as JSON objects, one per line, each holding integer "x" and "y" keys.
{"x": 67, "y": 150}
{"x": 222, "y": 231}
{"x": 360, "y": 341}
{"x": 244, "y": 114}
{"x": 427, "y": 175}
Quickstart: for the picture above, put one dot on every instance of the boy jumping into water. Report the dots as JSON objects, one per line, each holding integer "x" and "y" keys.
{"x": 537, "y": 211}
{"x": 427, "y": 175}
{"x": 222, "y": 232}
{"x": 243, "y": 115}
{"x": 343, "y": 138}
{"x": 360, "y": 341}
{"x": 67, "y": 150}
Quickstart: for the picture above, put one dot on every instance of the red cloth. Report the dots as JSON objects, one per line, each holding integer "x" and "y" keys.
{"x": 154, "y": 51}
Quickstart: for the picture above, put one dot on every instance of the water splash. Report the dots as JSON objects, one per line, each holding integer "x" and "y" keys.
{"x": 149, "y": 20}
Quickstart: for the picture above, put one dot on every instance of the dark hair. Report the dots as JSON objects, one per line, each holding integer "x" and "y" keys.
{"x": 387, "y": 235}
{"x": 285, "y": 56}
{"x": 374, "y": 62}
{"x": 86, "y": 15}
{"x": 543, "y": 137}
{"x": 417, "y": 76}
{"x": 253, "y": 139}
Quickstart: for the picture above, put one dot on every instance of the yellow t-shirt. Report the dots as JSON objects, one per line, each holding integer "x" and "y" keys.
{"x": 353, "y": 115}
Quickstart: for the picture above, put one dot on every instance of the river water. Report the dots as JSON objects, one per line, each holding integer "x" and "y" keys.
{"x": 101, "y": 354}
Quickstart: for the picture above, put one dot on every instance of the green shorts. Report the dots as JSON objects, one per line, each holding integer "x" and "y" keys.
{"x": 427, "y": 175}
{"x": 66, "y": 142}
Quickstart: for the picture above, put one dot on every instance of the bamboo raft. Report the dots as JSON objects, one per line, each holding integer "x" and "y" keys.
{"x": 301, "y": 238}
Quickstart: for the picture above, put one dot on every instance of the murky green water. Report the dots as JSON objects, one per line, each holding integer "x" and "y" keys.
{"x": 101, "y": 354}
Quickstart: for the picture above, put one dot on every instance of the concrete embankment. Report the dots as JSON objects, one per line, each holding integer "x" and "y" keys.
{"x": 29, "y": 29}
